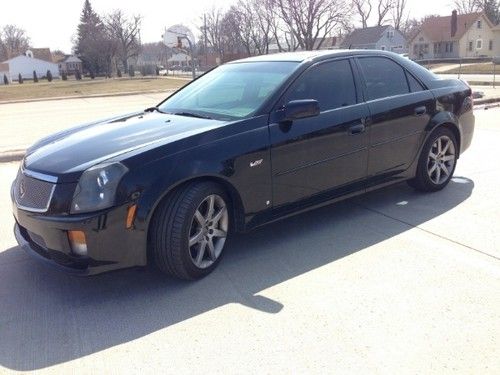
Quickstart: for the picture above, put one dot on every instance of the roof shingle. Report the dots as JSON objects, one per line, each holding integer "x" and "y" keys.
{"x": 368, "y": 35}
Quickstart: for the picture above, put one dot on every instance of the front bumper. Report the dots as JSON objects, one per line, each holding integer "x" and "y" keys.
{"x": 110, "y": 245}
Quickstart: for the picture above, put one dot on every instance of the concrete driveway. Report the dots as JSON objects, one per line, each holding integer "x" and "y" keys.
{"x": 392, "y": 282}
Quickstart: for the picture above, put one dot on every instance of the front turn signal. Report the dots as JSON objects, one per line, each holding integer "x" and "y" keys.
{"x": 78, "y": 242}
{"x": 132, "y": 210}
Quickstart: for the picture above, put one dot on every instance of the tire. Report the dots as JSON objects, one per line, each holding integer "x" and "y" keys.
{"x": 437, "y": 161}
{"x": 187, "y": 237}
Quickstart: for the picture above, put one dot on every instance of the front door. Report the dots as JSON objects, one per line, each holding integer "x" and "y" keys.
{"x": 321, "y": 154}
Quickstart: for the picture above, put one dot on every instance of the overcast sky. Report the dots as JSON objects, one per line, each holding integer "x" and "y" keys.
{"x": 52, "y": 23}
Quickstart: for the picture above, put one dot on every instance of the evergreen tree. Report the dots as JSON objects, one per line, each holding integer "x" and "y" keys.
{"x": 93, "y": 45}
{"x": 35, "y": 77}
{"x": 118, "y": 73}
{"x": 78, "y": 75}
{"x": 5, "y": 80}
{"x": 64, "y": 76}
{"x": 49, "y": 76}
{"x": 20, "y": 78}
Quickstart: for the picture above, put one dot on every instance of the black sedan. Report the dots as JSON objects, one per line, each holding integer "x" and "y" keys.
{"x": 247, "y": 143}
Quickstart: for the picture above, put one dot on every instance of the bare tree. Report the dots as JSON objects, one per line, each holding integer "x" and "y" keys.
{"x": 399, "y": 13}
{"x": 312, "y": 20}
{"x": 13, "y": 42}
{"x": 213, "y": 30}
{"x": 124, "y": 31}
{"x": 364, "y": 9}
{"x": 468, "y": 6}
{"x": 383, "y": 9}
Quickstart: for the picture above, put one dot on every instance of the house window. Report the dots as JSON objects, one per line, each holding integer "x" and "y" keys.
{"x": 446, "y": 47}
{"x": 451, "y": 46}
{"x": 390, "y": 34}
{"x": 435, "y": 48}
{"x": 490, "y": 45}
{"x": 479, "y": 44}
{"x": 470, "y": 46}
{"x": 382, "y": 48}
{"x": 479, "y": 24}
{"x": 415, "y": 49}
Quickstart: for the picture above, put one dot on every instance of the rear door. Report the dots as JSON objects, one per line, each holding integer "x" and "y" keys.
{"x": 400, "y": 108}
{"x": 320, "y": 154}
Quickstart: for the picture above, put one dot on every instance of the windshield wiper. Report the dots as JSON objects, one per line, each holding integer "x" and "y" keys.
{"x": 191, "y": 114}
{"x": 152, "y": 109}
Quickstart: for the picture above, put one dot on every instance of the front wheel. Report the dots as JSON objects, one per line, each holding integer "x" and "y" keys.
{"x": 437, "y": 161}
{"x": 189, "y": 230}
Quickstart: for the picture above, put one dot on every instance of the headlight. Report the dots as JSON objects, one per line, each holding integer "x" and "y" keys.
{"x": 97, "y": 187}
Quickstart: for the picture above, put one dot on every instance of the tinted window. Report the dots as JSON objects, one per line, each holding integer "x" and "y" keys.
{"x": 383, "y": 77}
{"x": 331, "y": 84}
{"x": 414, "y": 84}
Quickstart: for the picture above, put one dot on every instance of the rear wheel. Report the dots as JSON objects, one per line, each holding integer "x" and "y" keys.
{"x": 437, "y": 161}
{"x": 189, "y": 230}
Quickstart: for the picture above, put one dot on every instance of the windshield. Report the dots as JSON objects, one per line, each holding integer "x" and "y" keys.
{"x": 231, "y": 91}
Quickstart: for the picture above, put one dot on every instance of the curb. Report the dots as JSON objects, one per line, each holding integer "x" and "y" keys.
{"x": 105, "y": 95}
{"x": 10, "y": 156}
{"x": 486, "y": 101}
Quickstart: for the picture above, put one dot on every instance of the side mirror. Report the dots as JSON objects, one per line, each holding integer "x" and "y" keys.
{"x": 297, "y": 109}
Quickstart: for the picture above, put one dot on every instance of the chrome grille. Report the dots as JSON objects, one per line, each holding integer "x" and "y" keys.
{"x": 32, "y": 194}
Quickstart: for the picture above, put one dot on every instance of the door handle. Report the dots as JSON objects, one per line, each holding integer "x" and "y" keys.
{"x": 419, "y": 111}
{"x": 356, "y": 129}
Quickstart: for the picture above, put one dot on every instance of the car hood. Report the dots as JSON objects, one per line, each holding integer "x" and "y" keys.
{"x": 74, "y": 150}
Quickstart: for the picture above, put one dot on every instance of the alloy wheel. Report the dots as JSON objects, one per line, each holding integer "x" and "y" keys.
{"x": 441, "y": 160}
{"x": 208, "y": 231}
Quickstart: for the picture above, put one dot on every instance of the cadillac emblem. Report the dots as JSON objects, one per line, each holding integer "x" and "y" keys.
{"x": 22, "y": 188}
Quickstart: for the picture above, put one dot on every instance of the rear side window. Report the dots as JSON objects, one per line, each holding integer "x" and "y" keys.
{"x": 330, "y": 83}
{"x": 414, "y": 84}
{"x": 383, "y": 77}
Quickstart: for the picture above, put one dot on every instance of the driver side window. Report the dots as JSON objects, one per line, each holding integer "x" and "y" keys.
{"x": 330, "y": 83}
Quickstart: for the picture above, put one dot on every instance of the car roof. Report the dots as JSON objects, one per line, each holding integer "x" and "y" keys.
{"x": 302, "y": 56}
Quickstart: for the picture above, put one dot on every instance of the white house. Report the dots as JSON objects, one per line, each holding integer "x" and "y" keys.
{"x": 26, "y": 64}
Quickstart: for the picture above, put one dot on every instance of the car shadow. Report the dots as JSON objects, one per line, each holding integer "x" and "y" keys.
{"x": 48, "y": 317}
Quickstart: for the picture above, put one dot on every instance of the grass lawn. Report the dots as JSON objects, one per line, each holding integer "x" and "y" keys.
{"x": 60, "y": 88}
{"x": 481, "y": 68}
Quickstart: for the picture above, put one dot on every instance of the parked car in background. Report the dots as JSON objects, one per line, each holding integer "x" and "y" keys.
{"x": 249, "y": 142}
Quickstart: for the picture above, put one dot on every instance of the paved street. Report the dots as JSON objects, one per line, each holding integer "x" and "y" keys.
{"x": 392, "y": 282}
{"x": 21, "y": 124}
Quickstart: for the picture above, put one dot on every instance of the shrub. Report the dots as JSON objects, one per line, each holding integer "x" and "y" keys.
{"x": 20, "y": 78}
{"x": 78, "y": 75}
{"x": 92, "y": 74}
{"x": 35, "y": 77}
{"x": 5, "y": 80}
{"x": 118, "y": 73}
{"x": 157, "y": 70}
{"x": 131, "y": 71}
{"x": 49, "y": 76}
{"x": 64, "y": 76}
